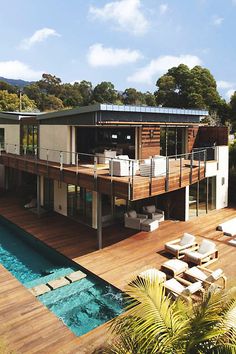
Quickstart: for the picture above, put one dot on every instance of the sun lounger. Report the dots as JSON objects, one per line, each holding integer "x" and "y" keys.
{"x": 153, "y": 274}
{"x": 228, "y": 227}
{"x": 178, "y": 246}
{"x": 207, "y": 276}
{"x": 183, "y": 288}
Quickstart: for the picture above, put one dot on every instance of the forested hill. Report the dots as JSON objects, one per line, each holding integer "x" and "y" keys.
{"x": 16, "y": 82}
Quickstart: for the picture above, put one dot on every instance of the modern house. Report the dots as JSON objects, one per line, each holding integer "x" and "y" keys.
{"x": 94, "y": 163}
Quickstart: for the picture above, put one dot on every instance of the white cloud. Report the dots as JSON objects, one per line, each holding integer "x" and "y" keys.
{"x": 163, "y": 8}
{"x": 217, "y": 21}
{"x": 159, "y": 66}
{"x": 101, "y": 56}
{"x": 15, "y": 69}
{"x": 38, "y": 36}
{"x": 229, "y": 93}
{"x": 225, "y": 84}
{"x": 126, "y": 14}
{"x": 227, "y": 87}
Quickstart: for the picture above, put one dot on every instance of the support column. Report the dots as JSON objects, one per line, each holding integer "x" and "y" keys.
{"x": 99, "y": 220}
{"x": 38, "y": 194}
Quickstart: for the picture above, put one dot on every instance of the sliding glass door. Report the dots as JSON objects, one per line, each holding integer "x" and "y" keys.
{"x": 172, "y": 141}
{"x": 202, "y": 197}
{"x": 79, "y": 203}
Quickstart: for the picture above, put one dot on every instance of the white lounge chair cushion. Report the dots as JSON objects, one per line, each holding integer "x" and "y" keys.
{"x": 195, "y": 255}
{"x": 132, "y": 214}
{"x": 206, "y": 246}
{"x": 173, "y": 247}
{"x": 193, "y": 288}
{"x": 153, "y": 274}
{"x": 215, "y": 275}
{"x": 174, "y": 285}
{"x": 187, "y": 239}
{"x": 151, "y": 208}
{"x": 195, "y": 272}
{"x": 176, "y": 265}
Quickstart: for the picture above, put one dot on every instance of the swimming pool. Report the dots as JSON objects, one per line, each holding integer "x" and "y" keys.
{"x": 82, "y": 305}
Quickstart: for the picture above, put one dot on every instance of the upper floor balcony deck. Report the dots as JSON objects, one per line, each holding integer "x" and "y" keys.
{"x": 120, "y": 177}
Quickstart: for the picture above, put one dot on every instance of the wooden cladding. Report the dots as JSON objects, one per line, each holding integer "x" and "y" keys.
{"x": 209, "y": 136}
{"x": 192, "y": 136}
{"x": 150, "y": 141}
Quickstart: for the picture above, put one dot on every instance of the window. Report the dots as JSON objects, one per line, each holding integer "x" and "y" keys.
{"x": 2, "y": 136}
{"x": 29, "y": 137}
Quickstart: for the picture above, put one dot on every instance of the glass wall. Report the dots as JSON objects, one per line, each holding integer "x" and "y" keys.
{"x": 2, "y": 136}
{"x": 202, "y": 197}
{"x": 29, "y": 137}
{"x": 172, "y": 141}
{"x": 79, "y": 203}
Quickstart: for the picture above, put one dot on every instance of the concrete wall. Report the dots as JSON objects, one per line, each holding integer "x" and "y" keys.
{"x": 54, "y": 137}
{"x": 12, "y": 137}
{"x": 60, "y": 197}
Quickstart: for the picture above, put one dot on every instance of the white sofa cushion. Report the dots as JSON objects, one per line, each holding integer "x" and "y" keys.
{"x": 132, "y": 214}
{"x": 206, "y": 246}
{"x": 151, "y": 208}
{"x": 186, "y": 239}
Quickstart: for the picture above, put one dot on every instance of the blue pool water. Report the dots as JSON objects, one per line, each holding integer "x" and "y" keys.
{"x": 82, "y": 305}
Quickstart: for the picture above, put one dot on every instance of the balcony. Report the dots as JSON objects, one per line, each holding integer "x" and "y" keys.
{"x": 86, "y": 171}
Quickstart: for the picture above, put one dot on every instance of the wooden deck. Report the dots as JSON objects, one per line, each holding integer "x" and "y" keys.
{"x": 29, "y": 327}
{"x": 99, "y": 180}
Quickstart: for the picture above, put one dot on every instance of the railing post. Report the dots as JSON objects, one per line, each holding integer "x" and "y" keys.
{"x": 132, "y": 189}
{"x": 61, "y": 160}
{"x": 95, "y": 172}
{"x": 180, "y": 171}
{"x": 47, "y": 152}
{"x": 150, "y": 177}
{"x": 15, "y": 149}
{"x": 191, "y": 169}
{"x": 167, "y": 173}
{"x": 199, "y": 165}
{"x": 204, "y": 154}
{"x": 129, "y": 190}
{"x": 7, "y": 150}
{"x": 24, "y": 148}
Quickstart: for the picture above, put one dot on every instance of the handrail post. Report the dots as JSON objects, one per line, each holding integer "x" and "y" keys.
{"x": 7, "y": 151}
{"x": 150, "y": 177}
{"x": 95, "y": 172}
{"x": 204, "y": 163}
{"x": 132, "y": 189}
{"x": 191, "y": 168}
{"x": 199, "y": 165}
{"x": 129, "y": 190}
{"x": 180, "y": 170}
{"x": 61, "y": 160}
{"x": 112, "y": 192}
{"x": 167, "y": 173}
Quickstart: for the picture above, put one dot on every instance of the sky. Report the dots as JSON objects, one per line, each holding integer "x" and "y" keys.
{"x": 128, "y": 42}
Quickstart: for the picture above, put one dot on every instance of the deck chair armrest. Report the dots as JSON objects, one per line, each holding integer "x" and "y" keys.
{"x": 142, "y": 216}
{"x": 207, "y": 254}
{"x": 177, "y": 240}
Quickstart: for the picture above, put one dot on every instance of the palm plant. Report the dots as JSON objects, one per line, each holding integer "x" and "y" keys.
{"x": 154, "y": 323}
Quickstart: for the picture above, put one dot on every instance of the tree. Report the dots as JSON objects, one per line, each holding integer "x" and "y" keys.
{"x": 188, "y": 88}
{"x": 133, "y": 97}
{"x": 51, "y": 103}
{"x": 8, "y": 87}
{"x": 149, "y": 99}
{"x": 11, "y": 102}
{"x": 105, "y": 93}
{"x": 86, "y": 91}
{"x": 233, "y": 109}
{"x": 155, "y": 323}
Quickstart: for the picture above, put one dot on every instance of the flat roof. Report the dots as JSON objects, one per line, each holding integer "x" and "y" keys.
{"x": 123, "y": 108}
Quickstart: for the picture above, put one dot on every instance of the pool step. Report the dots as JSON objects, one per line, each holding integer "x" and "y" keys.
{"x": 57, "y": 283}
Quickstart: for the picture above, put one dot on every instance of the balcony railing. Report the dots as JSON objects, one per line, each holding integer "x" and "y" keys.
{"x": 133, "y": 172}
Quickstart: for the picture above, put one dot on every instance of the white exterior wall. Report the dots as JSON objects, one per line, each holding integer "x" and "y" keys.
{"x": 54, "y": 137}
{"x": 222, "y": 175}
{"x": 60, "y": 197}
{"x": 186, "y": 203}
{"x": 12, "y": 137}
